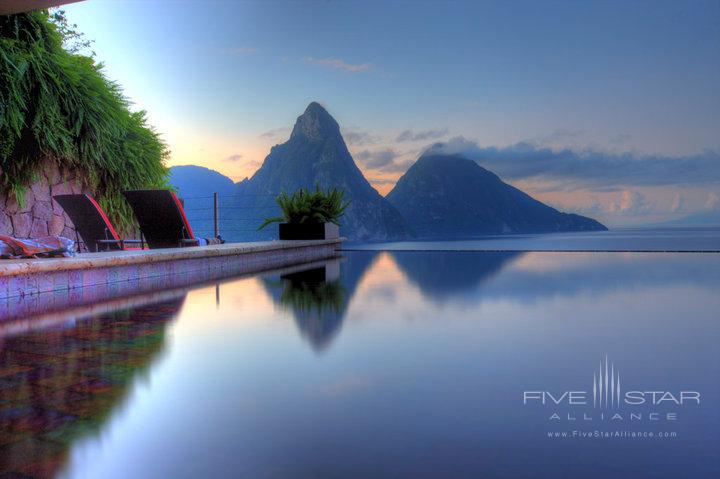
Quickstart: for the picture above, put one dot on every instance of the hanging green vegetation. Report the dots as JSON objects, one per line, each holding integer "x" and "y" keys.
{"x": 56, "y": 104}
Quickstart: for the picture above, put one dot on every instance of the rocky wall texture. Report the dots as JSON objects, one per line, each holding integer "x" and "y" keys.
{"x": 40, "y": 215}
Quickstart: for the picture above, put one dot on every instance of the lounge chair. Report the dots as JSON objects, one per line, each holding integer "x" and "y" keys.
{"x": 162, "y": 218}
{"x": 92, "y": 224}
{"x": 43, "y": 247}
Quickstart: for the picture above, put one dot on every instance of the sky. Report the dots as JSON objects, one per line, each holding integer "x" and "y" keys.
{"x": 610, "y": 109}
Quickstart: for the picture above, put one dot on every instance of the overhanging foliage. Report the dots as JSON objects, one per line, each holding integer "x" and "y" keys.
{"x": 56, "y": 103}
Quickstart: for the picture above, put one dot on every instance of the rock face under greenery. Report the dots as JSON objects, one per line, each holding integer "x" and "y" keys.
{"x": 452, "y": 196}
{"x": 39, "y": 215}
{"x": 316, "y": 154}
{"x": 58, "y": 112}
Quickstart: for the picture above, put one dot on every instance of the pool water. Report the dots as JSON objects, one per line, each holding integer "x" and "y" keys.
{"x": 669, "y": 239}
{"x": 384, "y": 364}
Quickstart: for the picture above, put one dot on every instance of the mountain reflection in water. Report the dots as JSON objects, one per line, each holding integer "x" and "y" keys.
{"x": 318, "y": 297}
{"x": 442, "y": 275}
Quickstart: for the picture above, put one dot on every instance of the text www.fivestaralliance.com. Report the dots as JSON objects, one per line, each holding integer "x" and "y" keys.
{"x": 611, "y": 434}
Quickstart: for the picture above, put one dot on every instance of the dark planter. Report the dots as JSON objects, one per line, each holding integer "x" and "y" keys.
{"x": 308, "y": 231}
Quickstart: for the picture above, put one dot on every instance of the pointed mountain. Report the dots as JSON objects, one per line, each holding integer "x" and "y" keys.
{"x": 316, "y": 154}
{"x": 192, "y": 181}
{"x": 452, "y": 196}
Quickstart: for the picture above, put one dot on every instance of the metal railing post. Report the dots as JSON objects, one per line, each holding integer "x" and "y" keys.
{"x": 215, "y": 214}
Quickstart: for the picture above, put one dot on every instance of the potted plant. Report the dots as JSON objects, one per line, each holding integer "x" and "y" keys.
{"x": 309, "y": 215}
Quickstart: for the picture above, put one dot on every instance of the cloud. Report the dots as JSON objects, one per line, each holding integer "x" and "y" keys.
{"x": 382, "y": 181}
{"x": 620, "y": 138}
{"x": 595, "y": 207}
{"x": 631, "y": 203}
{"x": 243, "y": 162}
{"x": 409, "y": 135}
{"x": 587, "y": 167}
{"x": 385, "y": 160}
{"x": 712, "y": 202}
{"x": 338, "y": 64}
{"x": 377, "y": 159}
{"x": 678, "y": 203}
{"x": 276, "y": 133}
{"x": 562, "y": 136}
{"x": 243, "y": 51}
{"x": 359, "y": 138}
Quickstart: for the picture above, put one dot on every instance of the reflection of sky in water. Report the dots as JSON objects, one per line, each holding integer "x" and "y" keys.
{"x": 699, "y": 238}
{"x": 422, "y": 374}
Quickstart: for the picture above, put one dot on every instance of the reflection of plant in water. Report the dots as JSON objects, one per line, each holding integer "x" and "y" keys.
{"x": 317, "y": 305}
{"x": 307, "y": 297}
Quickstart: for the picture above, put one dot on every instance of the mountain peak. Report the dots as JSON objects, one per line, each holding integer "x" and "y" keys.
{"x": 433, "y": 156}
{"x": 315, "y": 123}
{"x": 448, "y": 195}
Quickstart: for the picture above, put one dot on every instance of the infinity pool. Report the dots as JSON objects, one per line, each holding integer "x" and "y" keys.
{"x": 384, "y": 364}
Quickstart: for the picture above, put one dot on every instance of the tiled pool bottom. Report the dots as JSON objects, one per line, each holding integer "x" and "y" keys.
{"x": 376, "y": 365}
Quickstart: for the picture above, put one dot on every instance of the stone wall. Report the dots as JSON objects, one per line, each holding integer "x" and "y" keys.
{"x": 41, "y": 216}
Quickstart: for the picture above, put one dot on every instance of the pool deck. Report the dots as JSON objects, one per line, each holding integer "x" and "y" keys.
{"x": 28, "y": 277}
{"x": 48, "y": 310}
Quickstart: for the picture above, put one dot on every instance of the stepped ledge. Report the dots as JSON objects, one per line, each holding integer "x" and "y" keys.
{"x": 171, "y": 267}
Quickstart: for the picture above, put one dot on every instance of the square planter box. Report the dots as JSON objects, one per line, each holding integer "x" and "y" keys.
{"x": 317, "y": 231}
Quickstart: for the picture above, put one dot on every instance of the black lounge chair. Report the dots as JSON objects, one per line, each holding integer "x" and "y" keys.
{"x": 92, "y": 224}
{"x": 162, "y": 218}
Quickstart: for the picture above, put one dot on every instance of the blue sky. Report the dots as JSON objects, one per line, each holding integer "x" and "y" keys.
{"x": 224, "y": 81}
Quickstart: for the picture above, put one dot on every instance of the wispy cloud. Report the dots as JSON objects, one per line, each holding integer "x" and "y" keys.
{"x": 620, "y": 138}
{"x": 588, "y": 167}
{"x": 359, "y": 137}
{"x": 562, "y": 135}
{"x": 338, "y": 64}
{"x": 385, "y": 159}
{"x": 678, "y": 203}
{"x": 377, "y": 159}
{"x": 410, "y": 135}
{"x": 712, "y": 202}
{"x": 382, "y": 181}
{"x": 631, "y": 203}
{"x": 241, "y": 162}
{"x": 276, "y": 133}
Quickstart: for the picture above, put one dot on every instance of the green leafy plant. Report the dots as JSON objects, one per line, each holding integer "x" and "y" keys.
{"x": 313, "y": 296}
{"x": 313, "y": 207}
{"x": 57, "y": 105}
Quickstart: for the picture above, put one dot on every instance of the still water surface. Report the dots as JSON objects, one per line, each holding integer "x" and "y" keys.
{"x": 380, "y": 364}
{"x": 687, "y": 239}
